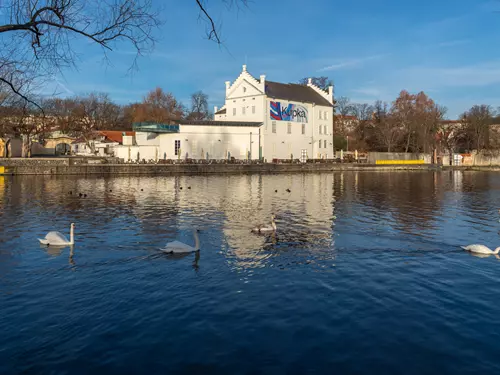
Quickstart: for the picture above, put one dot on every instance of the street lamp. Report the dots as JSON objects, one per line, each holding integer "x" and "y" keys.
{"x": 347, "y": 143}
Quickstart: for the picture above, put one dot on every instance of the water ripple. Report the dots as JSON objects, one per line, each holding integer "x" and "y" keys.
{"x": 364, "y": 275}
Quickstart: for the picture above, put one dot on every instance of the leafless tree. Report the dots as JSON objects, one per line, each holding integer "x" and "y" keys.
{"x": 37, "y": 36}
{"x": 322, "y": 82}
{"x": 364, "y": 114}
{"x": 386, "y": 131}
{"x": 157, "y": 106}
{"x": 199, "y": 106}
{"x": 86, "y": 115}
{"x": 343, "y": 109}
{"x": 476, "y": 122}
{"x": 449, "y": 136}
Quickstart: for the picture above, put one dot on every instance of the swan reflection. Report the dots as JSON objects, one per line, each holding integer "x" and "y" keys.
{"x": 479, "y": 255}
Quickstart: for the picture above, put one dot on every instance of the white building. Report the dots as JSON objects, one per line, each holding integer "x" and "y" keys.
{"x": 101, "y": 144}
{"x": 259, "y": 120}
{"x": 297, "y": 119}
{"x": 199, "y": 140}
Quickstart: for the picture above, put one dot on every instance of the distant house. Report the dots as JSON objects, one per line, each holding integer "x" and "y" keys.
{"x": 102, "y": 143}
{"x": 56, "y": 143}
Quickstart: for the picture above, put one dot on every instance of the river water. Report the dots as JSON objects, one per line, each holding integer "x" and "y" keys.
{"x": 365, "y": 274}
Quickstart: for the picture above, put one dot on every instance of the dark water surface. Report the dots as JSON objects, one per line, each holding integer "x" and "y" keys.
{"x": 364, "y": 276}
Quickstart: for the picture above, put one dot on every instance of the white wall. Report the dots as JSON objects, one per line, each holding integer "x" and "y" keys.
{"x": 147, "y": 139}
{"x": 128, "y": 140}
{"x": 134, "y": 153}
{"x": 16, "y": 148}
{"x": 281, "y": 145}
{"x": 218, "y": 141}
{"x": 38, "y": 149}
{"x": 246, "y": 93}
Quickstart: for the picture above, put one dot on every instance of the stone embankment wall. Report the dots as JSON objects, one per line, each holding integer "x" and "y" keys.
{"x": 67, "y": 168}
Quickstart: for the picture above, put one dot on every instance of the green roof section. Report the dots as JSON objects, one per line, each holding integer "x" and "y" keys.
{"x": 153, "y": 127}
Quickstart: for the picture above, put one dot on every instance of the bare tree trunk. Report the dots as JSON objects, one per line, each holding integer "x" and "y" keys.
{"x": 408, "y": 142}
{"x": 26, "y": 146}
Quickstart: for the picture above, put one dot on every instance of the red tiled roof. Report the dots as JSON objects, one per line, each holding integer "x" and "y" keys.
{"x": 115, "y": 135}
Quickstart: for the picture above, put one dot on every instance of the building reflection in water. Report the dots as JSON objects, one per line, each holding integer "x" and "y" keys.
{"x": 150, "y": 211}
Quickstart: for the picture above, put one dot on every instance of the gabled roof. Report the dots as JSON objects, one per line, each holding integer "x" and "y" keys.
{"x": 221, "y": 111}
{"x": 295, "y": 92}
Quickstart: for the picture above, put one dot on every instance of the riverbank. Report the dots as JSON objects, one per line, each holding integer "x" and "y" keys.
{"x": 67, "y": 166}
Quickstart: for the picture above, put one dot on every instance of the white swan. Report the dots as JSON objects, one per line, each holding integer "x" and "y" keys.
{"x": 481, "y": 249}
{"x": 178, "y": 247}
{"x": 265, "y": 229}
{"x": 58, "y": 239}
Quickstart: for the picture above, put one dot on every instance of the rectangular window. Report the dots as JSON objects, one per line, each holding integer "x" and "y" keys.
{"x": 242, "y": 110}
{"x": 303, "y": 128}
{"x": 177, "y": 146}
{"x": 234, "y": 111}
{"x": 319, "y": 144}
{"x": 324, "y": 143}
{"x": 326, "y": 129}
{"x": 253, "y": 109}
{"x": 274, "y": 126}
{"x": 289, "y": 128}
{"x": 326, "y": 115}
{"x": 321, "y": 129}
{"x": 320, "y": 115}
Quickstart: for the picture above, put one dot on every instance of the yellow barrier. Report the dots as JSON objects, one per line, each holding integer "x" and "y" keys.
{"x": 2, "y": 170}
{"x": 399, "y": 162}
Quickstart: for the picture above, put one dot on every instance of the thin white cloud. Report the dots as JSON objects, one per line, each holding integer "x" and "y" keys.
{"x": 350, "y": 63}
{"x": 368, "y": 91}
{"x": 454, "y": 43}
{"x": 484, "y": 74}
{"x": 64, "y": 87}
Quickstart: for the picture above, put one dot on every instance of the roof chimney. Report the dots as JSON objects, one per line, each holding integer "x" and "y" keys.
{"x": 309, "y": 81}
{"x": 215, "y": 109}
{"x": 228, "y": 84}
{"x": 262, "y": 78}
{"x": 244, "y": 68}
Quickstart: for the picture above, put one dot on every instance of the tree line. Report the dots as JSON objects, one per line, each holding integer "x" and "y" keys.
{"x": 412, "y": 123}
{"x": 84, "y": 115}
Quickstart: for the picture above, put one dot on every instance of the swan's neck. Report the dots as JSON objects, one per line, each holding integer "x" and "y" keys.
{"x": 497, "y": 250}
{"x": 72, "y": 235}
{"x": 273, "y": 224}
{"x": 196, "y": 241}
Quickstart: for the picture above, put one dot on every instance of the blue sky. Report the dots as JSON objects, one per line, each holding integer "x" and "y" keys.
{"x": 371, "y": 50}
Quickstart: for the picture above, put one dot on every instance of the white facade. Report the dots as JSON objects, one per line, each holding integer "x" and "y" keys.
{"x": 211, "y": 142}
{"x": 291, "y": 133}
{"x": 100, "y": 148}
{"x": 259, "y": 120}
{"x": 194, "y": 141}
